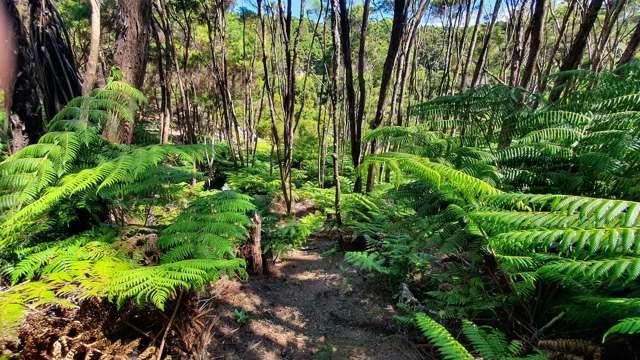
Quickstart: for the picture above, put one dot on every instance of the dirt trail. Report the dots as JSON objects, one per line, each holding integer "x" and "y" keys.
{"x": 315, "y": 309}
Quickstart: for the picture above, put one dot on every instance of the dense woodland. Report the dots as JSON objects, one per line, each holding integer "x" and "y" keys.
{"x": 473, "y": 164}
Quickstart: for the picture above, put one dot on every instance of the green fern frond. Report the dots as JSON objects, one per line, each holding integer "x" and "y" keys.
{"x": 366, "y": 261}
{"x": 493, "y": 345}
{"x": 435, "y": 174}
{"x": 441, "y": 339}
{"x": 556, "y": 135}
{"x": 613, "y": 270}
{"x": 628, "y": 326}
{"x": 612, "y": 241}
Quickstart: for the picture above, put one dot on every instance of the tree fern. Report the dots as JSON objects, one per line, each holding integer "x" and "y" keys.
{"x": 209, "y": 228}
{"x": 108, "y": 106}
{"x": 92, "y": 265}
{"x": 433, "y": 173}
{"x": 127, "y": 168}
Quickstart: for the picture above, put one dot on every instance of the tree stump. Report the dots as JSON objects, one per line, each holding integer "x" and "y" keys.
{"x": 256, "y": 244}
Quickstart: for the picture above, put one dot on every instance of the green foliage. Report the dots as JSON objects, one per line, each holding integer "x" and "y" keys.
{"x": 487, "y": 154}
{"x": 439, "y": 176}
{"x": 366, "y": 261}
{"x": 208, "y": 228}
{"x": 107, "y": 107}
{"x": 94, "y": 265}
{"x": 129, "y": 168}
{"x": 447, "y": 345}
{"x": 241, "y": 316}
{"x": 292, "y": 233}
{"x": 487, "y": 342}
{"x": 628, "y": 326}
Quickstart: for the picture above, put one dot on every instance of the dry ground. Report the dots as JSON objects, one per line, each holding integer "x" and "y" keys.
{"x": 314, "y": 309}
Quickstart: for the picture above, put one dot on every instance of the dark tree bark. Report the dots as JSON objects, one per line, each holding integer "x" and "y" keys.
{"x": 20, "y": 97}
{"x": 542, "y": 81}
{"x": 397, "y": 29}
{"x": 485, "y": 44}
{"x": 345, "y": 46}
{"x": 610, "y": 19}
{"x": 132, "y": 40}
{"x": 472, "y": 47}
{"x": 574, "y": 56}
{"x": 537, "y": 21}
{"x": 632, "y": 46}
{"x": 131, "y": 48}
{"x": 53, "y": 56}
{"x": 363, "y": 93}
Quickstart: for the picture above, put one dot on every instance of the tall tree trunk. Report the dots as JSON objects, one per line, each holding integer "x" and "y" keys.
{"x": 345, "y": 46}
{"x": 537, "y": 21}
{"x": 574, "y": 56}
{"x": 485, "y": 44}
{"x": 472, "y": 47}
{"x": 164, "y": 73}
{"x": 397, "y": 29}
{"x": 632, "y": 46}
{"x": 518, "y": 43}
{"x": 131, "y": 47}
{"x": 335, "y": 66}
{"x": 132, "y": 40}
{"x": 610, "y": 20}
{"x": 462, "y": 42}
{"x": 406, "y": 50}
{"x": 289, "y": 98}
{"x": 94, "y": 49}
{"x": 542, "y": 81}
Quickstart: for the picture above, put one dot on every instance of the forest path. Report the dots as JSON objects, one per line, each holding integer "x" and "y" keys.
{"x": 313, "y": 309}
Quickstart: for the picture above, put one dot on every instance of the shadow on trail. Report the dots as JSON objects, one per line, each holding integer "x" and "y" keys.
{"x": 313, "y": 310}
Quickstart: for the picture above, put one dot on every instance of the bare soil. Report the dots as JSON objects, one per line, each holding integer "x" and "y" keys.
{"x": 315, "y": 308}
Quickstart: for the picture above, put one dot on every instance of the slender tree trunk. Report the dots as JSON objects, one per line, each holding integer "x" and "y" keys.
{"x": 472, "y": 47}
{"x": 94, "y": 49}
{"x": 542, "y": 81}
{"x": 603, "y": 39}
{"x": 632, "y": 46}
{"x": 462, "y": 42}
{"x": 397, "y": 29}
{"x": 573, "y": 58}
{"x": 345, "y": 46}
{"x": 518, "y": 43}
{"x": 165, "y": 89}
{"x": 537, "y": 21}
{"x": 335, "y": 66}
{"x": 406, "y": 50}
{"x": 485, "y": 44}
